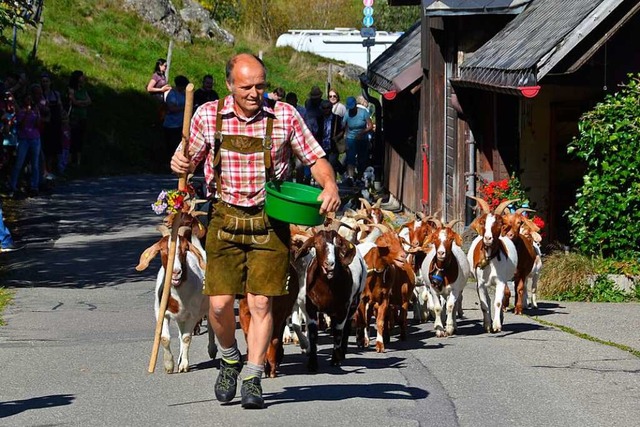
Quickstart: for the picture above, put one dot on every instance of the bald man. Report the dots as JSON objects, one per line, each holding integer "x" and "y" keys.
{"x": 245, "y": 143}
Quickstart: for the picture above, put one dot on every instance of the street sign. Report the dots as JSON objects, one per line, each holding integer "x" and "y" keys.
{"x": 367, "y": 3}
{"x": 367, "y": 11}
{"x": 367, "y": 32}
{"x": 368, "y": 42}
{"x": 367, "y": 21}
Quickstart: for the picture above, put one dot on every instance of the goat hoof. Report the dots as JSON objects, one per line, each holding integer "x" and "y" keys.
{"x": 440, "y": 333}
{"x": 379, "y": 347}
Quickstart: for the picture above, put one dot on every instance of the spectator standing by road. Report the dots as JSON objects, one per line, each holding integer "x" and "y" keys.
{"x": 28, "y": 126}
{"x": 339, "y": 108}
{"x": 51, "y": 128}
{"x": 79, "y": 102}
{"x": 176, "y": 100}
{"x": 206, "y": 93}
{"x": 6, "y": 241}
{"x": 256, "y": 269}
{"x": 357, "y": 124}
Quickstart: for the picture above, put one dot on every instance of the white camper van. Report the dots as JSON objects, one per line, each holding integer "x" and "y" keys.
{"x": 342, "y": 44}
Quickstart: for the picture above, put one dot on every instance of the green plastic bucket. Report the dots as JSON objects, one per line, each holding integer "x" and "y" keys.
{"x": 294, "y": 203}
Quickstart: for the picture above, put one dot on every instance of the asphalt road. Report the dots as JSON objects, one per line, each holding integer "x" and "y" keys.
{"x": 78, "y": 339}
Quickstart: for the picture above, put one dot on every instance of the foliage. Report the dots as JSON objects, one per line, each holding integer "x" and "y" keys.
{"x": 568, "y": 277}
{"x": 270, "y": 18}
{"x": 395, "y": 18}
{"x": 496, "y": 192}
{"x": 225, "y": 12}
{"x": 19, "y": 13}
{"x": 605, "y": 219}
{"x": 6, "y": 297}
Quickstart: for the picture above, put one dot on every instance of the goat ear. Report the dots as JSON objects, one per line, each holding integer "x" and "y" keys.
{"x": 305, "y": 248}
{"x": 477, "y": 226}
{"x": 196, "y": 252}
{"x": 457, "y": 239}
{"x": 147, "y": 256}
{"x": 346, "y": 251}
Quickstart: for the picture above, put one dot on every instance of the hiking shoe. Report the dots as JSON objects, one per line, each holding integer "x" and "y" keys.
{"x": 251, "y": 392}
{"x": 227, "y": 382}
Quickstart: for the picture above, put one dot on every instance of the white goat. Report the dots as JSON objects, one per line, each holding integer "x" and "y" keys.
{"x": 447, "y": 269}
{"x": 493, "y": 260}
{"x": 187, "y": 304}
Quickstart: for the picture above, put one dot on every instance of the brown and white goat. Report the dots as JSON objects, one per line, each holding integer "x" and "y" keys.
{"x": 332, "y": 275}
{"x": 187, "y": 304}
{"x": 387, "y": 267}
{"x": 446, "y": 269}
{"x": 493, "y": 259}
{"x": 511, "y": 228}
{"x": 413, "y": 235}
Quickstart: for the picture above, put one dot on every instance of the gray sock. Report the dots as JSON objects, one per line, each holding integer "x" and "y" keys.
{"x": 231, "y": 354}
{"x": 253, "y": 370}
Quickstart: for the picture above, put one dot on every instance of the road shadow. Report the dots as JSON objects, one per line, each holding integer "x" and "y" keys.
{"x": 339, "y": 392}
{"x": 13, "y": 407}
{"x": 89, "y": 234}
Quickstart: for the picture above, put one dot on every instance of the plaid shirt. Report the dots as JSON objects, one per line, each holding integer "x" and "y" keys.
{"x": 243, "y": 175}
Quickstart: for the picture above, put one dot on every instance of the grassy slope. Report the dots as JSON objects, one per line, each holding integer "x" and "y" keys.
{"x": 117, "y": 52}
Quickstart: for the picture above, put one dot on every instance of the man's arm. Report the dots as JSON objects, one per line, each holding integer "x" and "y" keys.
{"x": 324, "y": 175}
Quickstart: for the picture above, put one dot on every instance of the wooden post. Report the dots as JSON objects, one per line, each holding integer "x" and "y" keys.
{"x": 177, "y": 220}
{"x": 169, "y": 53}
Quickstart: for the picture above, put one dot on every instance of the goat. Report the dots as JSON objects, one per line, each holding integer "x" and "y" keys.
{"x": 446, "y": 268}
{"x": 512, "y": 224}
{"x": 386, "y": 264}
{"x": 187, "y": 305}
{"x": 493, "y": 259}
{"x": 332, "y": 275}
{"x": 413, "y": 235}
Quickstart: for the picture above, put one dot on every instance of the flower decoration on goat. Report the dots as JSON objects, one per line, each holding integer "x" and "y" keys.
{"x": 173, "y": 201}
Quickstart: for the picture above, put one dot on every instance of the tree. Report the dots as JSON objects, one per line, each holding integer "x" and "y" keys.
{"x": 606, "y": 217}
{"x": 18, "y": 13}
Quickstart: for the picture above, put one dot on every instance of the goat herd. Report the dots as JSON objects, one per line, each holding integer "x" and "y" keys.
{"x": 357, "y": 268}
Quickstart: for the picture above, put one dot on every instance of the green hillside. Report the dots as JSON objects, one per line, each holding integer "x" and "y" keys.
{"x": 117, "y": 52}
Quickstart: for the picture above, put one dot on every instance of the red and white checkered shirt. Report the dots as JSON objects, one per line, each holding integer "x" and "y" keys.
{"x": 243, "y": 175}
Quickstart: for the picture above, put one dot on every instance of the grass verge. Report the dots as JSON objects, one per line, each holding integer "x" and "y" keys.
{"x": 6, "y": 298}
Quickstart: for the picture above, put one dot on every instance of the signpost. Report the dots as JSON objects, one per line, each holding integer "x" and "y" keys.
{"x": 368, "y": 32}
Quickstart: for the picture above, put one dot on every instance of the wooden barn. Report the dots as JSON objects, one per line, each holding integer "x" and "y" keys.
{"x": 481, "y": 89}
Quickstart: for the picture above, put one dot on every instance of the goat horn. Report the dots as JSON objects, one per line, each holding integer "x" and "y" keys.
{"x": 482, "y": 203}
{"x": 502, "y": 206}
{"x": 453, "y": 222}
{"x": 378, "y": 203}
{"x": 389, "y": 214}
{"x": 366, "y": 204}
{"x": 520, "y": 210}
{"x": 164, "y": 230}
{"x": 350, "y": 212}
{"x": 437, "y": 222}
{"x": 183, "y": 229}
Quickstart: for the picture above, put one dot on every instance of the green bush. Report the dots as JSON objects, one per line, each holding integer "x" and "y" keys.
{"x": 606, "y": 217}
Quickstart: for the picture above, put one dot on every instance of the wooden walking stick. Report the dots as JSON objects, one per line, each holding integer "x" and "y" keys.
{"x": 177, "y": 220}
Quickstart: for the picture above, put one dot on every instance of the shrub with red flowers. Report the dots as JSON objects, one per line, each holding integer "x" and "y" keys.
{"x": 496, "y": 192}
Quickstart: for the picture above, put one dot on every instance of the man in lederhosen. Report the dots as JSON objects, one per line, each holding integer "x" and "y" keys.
{"x": 245, "y": 143}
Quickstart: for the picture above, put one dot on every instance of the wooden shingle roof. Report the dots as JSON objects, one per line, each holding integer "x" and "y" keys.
{"x": 399, "y": 66}
{"x": 527, "y": 48}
